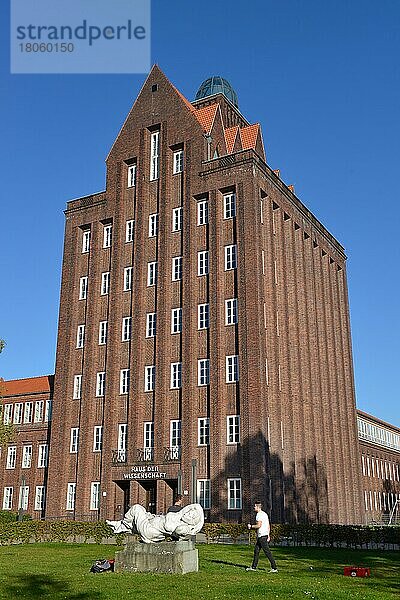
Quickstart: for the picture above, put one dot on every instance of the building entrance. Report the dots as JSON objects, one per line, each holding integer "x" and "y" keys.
{"x": 151, "y": 495}
{"x": 122, "y": 504}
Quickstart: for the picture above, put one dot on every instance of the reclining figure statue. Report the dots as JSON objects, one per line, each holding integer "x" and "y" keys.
{"x": 153, "y": 528}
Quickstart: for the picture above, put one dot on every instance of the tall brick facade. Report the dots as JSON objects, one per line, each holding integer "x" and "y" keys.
{"x": 204, "y": 337}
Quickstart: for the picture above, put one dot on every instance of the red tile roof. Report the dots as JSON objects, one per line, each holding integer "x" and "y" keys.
{"x": 30, "y": 385}
{"x": 249, "y": 136}
{"x": 206, "y": 116}
{"x": 230, "y": 137}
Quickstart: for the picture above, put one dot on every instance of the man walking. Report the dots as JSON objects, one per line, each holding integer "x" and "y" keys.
{"x": 263, "y": 530}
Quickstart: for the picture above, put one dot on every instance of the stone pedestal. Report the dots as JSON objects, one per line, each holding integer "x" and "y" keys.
{"x": 162, "y": 557}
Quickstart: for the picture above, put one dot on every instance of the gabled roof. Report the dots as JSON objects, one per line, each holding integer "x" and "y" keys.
{"x": 185, "y": 100}
{"x": 249, "y": 136}
{"x": 31, "y": 385}
{"x": 206, "y": 116}
{"x": 230, "y": 137}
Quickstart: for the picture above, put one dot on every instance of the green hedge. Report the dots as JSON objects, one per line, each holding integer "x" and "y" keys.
{"x": 351, "y": 536}
{"x": 8, "y": 516}
{"x": 55, "y": 531}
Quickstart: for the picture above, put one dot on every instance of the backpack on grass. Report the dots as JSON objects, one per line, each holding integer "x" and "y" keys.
{"x": 102, "y": 565}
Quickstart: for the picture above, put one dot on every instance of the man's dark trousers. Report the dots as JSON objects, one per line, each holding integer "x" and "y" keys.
{"x": 262, "y": 542}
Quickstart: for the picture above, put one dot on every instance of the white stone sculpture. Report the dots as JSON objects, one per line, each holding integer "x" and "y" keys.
{"x": 153, "y": 528}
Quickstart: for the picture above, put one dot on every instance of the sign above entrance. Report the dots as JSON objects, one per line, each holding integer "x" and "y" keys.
{"x": 145, "y": 472}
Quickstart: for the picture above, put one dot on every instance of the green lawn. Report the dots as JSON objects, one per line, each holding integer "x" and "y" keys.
{"x": 61, "y": 571}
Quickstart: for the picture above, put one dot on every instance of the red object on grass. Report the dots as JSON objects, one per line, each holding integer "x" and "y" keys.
{"x": 357, "y": 571}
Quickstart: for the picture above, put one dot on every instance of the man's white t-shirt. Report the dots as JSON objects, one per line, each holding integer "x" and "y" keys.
{"x": 264, "y": 527}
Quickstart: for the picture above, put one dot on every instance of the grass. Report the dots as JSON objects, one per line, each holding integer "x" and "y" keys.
{"x": 61, "y": 571}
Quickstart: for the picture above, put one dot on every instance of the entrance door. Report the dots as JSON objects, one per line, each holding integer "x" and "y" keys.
{"x": 122, "y": 505}
{"x": 151, "y": 495}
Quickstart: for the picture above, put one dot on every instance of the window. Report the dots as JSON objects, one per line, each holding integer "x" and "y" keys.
{"x": 107, "y": 236}
{"x": 11, "y": 457}
{"x": 202, "y": 263}
{"x": 178, "y": 161}
{"x": 176, "y": 375}
{"x": 105, "y": 283}
{"x": 202, "y": 212}
{"x": 27, "y": 457}
{"x": 80, "y": 336}
{"x": 83, "y": 286}
{"x": 95, "y": 495}
{"x": 28, "y": 412}
{"x": 234, "y": 494}
{"x": 100, "y": 383}
{"x": 230, "y": 257}
{"x": 38, "y": 411}
{"x": 129, "y": 231}
{"x": 102, "y": 333}
{"x": 43, "y": 456}
{"x": 203, "y": 431}
{"x": 148, "y": 434}
{"x": 149, "y": 378}
{"x": 18, "y": 409}
{"x": 229, "y": 206}
{"x": 153, "y": 225}
{"x": 86, "y": 241}
{"x": 231, "y": 312}
{"x": 175, "y": 435}
{"x": 74, "y": 440}
{"x": 126, "y": 328}
{"x": 7, "y": 498}
{"x": 48, "y": 410}
{"x": 39, "y": 497}
{"x": 131, "y": 175}
{"x": 151, "y": 324}
{"x": 122, "y": 437}
{"x": 71, "y": 490}
{"x": 8, "y": 410}
{"x": 177, "y": 268}
{"x": 77, "y": 387}
{"x": 204, "y": 493}
{"x": 232, "y": 369}
{"x": 128, "y": 278}
{"x": 233, "y": 429}
{"x": 154, "y": 155}
{"x": 203, "y": 316}
{"x": 23, "y": 497}
{"x": 151, "y": 274}
{"x": 124, "y": 381}
{"x": 203, "y": 371}
{"x": 177, "y": 219}
{"x": 176, "y": 320}
{"x": 97, "y": 438}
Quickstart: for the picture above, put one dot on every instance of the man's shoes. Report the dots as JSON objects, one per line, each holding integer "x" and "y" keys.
{"x": 273, "y": 570}
{"x": 251, "y": 569}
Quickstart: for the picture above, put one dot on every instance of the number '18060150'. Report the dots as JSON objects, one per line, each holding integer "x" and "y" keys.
{"x": 46, "y": 47}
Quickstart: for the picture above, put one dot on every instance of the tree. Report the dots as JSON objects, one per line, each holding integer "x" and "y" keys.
{"x": 6, "y": 431}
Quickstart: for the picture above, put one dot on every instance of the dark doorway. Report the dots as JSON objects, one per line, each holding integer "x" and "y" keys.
{"x": 173, "y": 484}
{"x": 151, "y": 495}
{"x": 121, "y": 509}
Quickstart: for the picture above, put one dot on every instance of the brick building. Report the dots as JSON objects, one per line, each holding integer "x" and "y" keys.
{"x": 204, "y": 336}
{"x": 26, "y": 406}
{"x": 380, "y": 467}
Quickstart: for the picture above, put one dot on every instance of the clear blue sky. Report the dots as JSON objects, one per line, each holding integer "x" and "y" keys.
{"x": 323, "y": 78}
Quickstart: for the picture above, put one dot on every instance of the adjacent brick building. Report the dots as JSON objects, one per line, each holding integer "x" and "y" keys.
{"x": 380, "y": 467}
{"x": 204, "y": 337}
{"x": 26, "y": 406}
